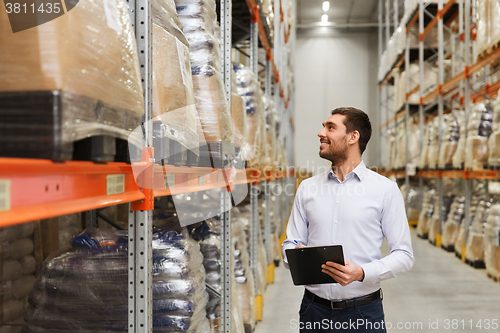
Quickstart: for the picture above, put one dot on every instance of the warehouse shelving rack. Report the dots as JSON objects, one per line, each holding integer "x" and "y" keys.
{"x": 462, "y": 88}
{"x": 33, "y": 189}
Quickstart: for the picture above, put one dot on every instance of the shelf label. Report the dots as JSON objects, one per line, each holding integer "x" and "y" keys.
{"x": 170, "y": 180}
{"x": 493, "y": 187}
{"x": 115, "y": 184}
{"x": 202, "y": 180}
{"x": 4, "y": 194}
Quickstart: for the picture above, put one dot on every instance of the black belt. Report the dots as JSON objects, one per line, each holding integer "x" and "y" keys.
{"x": 344, "y": 304}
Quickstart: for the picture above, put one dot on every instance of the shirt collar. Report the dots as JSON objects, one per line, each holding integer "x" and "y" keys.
{"x": 359, "y": 171}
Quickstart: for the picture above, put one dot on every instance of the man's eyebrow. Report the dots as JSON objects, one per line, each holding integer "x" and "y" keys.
{"x": 329, "y": 123}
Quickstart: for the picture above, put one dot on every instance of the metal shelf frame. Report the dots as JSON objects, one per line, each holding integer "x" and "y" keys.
{"x": 40, "y": 189}
{"x": 464, "y": 86}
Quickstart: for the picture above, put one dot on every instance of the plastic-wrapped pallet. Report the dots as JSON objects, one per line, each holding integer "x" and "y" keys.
{"x": 483, "y": 37}
{"x": 391, "y": 134}
{"x": 453, "y": 222}
{"x": 249, "y": 89}
{"x": 207, "y": 234}
{"x": 459, "y": 156}
{"x": 198, "y": 18}
{"x": 271, "y": 115}
{"x": 413, "y": 203}
{"x": 413, "y": 144}
{"x": 445, "y": 207}
{"x": 428, "y": 135}
{"x": 426, "y": 213}
{"x": 401, "y": 146}
{"x": 492, "y": 240}
{"x": 494, "y": 140}
{"x": 477, "y": 196}
{"x": 173, "y": 99}
{"x": 245, "y": 283}
{"x": 85, "y": 289}
{"x": 474, "y": 247}
{"x": 449, "y": 143}
{"x": 478, "y": 132}
{"x": 239, "y": 120}
{"x": 433, "y": 150}
{"x": 17, "y": 259}
{"x": 494, "y": 22}
{"x": 81, "y": 68}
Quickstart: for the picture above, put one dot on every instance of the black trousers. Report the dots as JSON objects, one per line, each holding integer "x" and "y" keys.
{"x": 317, "y": 318}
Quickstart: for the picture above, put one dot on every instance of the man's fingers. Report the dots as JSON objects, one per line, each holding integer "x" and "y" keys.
{"x": 336, "y": 266}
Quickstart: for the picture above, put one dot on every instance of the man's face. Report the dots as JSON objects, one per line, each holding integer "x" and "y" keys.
{"x": 333, "y": 140}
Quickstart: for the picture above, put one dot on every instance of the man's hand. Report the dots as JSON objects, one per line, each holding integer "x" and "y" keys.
{"x": 344, "y": 275}
{"x": 300, "y": 245}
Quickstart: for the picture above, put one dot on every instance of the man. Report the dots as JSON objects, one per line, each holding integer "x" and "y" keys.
{"x": 355, "y": 207}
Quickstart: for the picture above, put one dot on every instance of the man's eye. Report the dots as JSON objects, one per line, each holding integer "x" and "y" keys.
{"x": 331, "y": 127}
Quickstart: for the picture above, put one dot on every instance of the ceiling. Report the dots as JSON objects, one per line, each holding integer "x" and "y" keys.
{"x": 343, "y": 12}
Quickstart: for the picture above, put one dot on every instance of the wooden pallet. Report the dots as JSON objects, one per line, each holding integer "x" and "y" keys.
{"x": 478, "y": 264}
{"x": 493, "y": 277}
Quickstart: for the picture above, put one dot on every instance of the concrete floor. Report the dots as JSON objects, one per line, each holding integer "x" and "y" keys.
{"x": 440, "y": 288}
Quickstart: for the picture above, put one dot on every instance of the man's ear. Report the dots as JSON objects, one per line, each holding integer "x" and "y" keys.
{"x": 353, "y": 137}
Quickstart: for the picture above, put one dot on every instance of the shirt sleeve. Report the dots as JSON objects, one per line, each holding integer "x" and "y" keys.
{"x": 396, "y": 230}
{"x": 297, "y": 225}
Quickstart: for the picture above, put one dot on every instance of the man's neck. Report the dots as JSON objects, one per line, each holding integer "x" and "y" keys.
{"x": 343, "y": 169}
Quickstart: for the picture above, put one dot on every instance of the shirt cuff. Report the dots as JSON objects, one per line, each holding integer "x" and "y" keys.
{"x": 371, "y": 275}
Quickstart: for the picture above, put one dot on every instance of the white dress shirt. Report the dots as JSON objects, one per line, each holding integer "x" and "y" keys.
{"x": 357, "y": 214}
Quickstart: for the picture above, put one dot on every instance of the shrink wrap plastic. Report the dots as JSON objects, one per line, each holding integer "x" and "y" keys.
{"x": 474, "y": 247}
{"x": 392, "y": 150}
{"x": 198, "y": 18}
{"x": 494, "y": 140}
{"x": 245, "y": 283}
{"x": 483, "y": 37}
{"x": 413, "y": 203}
{"x": 445, "y": 207}
{"x": 453, "y": 221}
{"x": 249, "y": 89}
{"x": 478, "y": 132}
{"x": 414, "y": 144}
{"x": 207, "y": 234}
{"x": 459, "y": 156}
{"x": 91, "y": 57}
{"x": 85, "y": 289}
{"x": 433, "y": 150}
{"x": 17, "y": 274}
{"x": 492, "y": 240}
{"x": 449, "y": 144}
{"x": 271, "y": 116}
{"x": 239, "y": 119}
{"x": 173, "y": 99}
{"x": 401, "y": 146}
{"x": 494, "y": 21}
{"x": 426, "y": 212}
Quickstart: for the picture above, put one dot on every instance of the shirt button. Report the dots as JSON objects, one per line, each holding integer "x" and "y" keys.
{"x": 338, "y": 201}
{"x": 336, "y": 222}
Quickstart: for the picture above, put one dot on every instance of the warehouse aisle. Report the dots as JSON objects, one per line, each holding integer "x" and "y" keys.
{"x": 438, "y": 289}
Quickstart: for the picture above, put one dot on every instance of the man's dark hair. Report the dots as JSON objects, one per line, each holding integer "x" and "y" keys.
{"x": 356, "y": 120}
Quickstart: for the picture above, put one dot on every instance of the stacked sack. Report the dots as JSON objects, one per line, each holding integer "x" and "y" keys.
{"x": 477, "y": 195}
{"x": 494, "y": 141}
{"x": 458, "y": 158}
{"x": 17, "y": 256}
{"x": 479, "y": 130}
{"x": 413, "y": 203}
{"x": 198, "y": 18}
{"x": 85, "y": 288}
{"x": 488, "y": 25}
{"x": 271, "y": 116}
{"x": 426, "y": 213}
{"x": 238, "y": 117}
{"x": 449, "y": 143}
{"x": 452, "y": 224}
{"x": 81, "y": 68}
{"x": 430, "y": 140}
{"x": 492, "y": 240}
{"x": 444, "y": 210}
{"x": 474, "y": 247}
{"x": 207, "y": 234}
{"x": 245, "y": 283}
{"x": 249, "y": 89}
{"x": 173, "y": 99}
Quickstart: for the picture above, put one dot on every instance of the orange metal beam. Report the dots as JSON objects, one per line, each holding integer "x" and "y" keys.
{"x": 412, "y": 22}
{"x": 42, "y": 189}
{"x": 439, "y": 15}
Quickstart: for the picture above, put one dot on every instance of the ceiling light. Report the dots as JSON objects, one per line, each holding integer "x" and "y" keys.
{"x": 324, "y": 18}
{"x": 326, "y": 6}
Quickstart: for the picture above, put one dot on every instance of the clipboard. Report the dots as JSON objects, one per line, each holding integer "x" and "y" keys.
{"x": 305, "y": 263}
